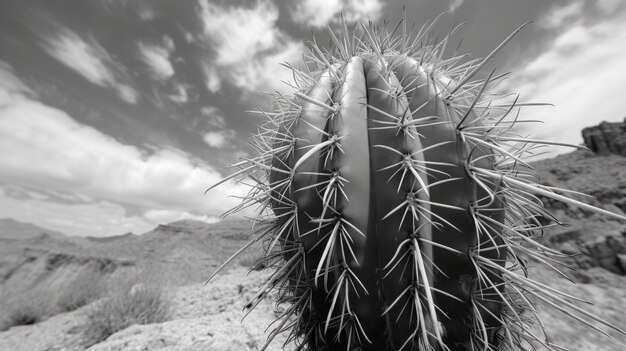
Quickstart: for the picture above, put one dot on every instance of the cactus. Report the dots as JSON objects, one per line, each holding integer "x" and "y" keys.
{"x": 395, "y": 206}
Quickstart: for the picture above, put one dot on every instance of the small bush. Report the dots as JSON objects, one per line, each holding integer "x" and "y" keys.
{"x": 253, "y": 262}
{"x": 87, "y": 286}
{"x": 254, "y": 259}
{"x": 140, "y": 304}
{"x": 25, "y": 308}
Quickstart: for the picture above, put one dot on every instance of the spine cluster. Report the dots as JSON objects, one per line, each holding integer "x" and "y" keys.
{"x": 395, "y": 206}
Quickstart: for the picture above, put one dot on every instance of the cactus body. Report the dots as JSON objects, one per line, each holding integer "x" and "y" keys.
{"x": 395, "y": 206}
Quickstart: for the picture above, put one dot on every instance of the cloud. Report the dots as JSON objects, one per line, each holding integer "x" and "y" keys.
{"x": 88, "y": 58}
{"x": 558, "y": 15}
{"x": 97, "y": 218}
{"x": 127, "y": 93}
{"x": 218, "y": 139}
{"x": 455, "y": 4}
{"x": 180, "y": 95}
{"x": 582, "y": 72}
{"x": 57, "y": 210}
{"x": 189, "y": 37}
{"x": 609, "y": 6}
{"x": 248, "y": 47}
{"x": 265, "y": 74}
{"x": 157, "y": 58}
{"x": 56, "y": 151}
{"x": 214, "y": 122}
{"x": 44, "y": 148}
{"x": 213, "y": 82}
{"x": 214, "y": 117}
{"x": 168, "y": 216}
{"x": 11, "y": 87}
{"x": 318, "y": 13}
{"x": 146, "y": 11}
{"x": 240, "y": 32}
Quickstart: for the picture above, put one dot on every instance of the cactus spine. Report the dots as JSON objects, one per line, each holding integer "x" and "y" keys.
{"x": 395, "y": 205}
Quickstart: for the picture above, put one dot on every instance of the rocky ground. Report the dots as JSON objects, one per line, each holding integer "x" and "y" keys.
{"x": 202, "y": 317}
{"x": 209, "y": 317}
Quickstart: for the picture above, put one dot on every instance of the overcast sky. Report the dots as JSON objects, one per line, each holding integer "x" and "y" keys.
{"x": 115, "y": 116}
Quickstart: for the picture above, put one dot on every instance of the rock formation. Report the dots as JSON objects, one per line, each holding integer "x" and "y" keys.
{"x": 606, "y": 138}
{"x": 608, "y": 252}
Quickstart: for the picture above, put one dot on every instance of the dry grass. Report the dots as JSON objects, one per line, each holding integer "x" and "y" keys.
{"x": 252, "y": 258}
{"x": 129, "y": 302}
{"x": 25, "y": 308}
{"x": 121, "y": 299}
{"x": 87, "y": 286}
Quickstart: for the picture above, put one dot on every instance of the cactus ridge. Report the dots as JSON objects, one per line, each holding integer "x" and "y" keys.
{"x": 394, "y": 203}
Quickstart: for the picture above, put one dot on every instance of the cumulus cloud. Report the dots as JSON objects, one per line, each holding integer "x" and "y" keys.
{"x": 241, "y": 32}
{"x": 45, "y": 148}
{"x": 88, "y": 58}
{"x": 218, "y": 139}
{"x": 157, "y": 58}
{"x": 265, "y": 73}
{"x": 582, "y": 73}
{"x": 212, "y": 78}
{"x": 319, "y": 13}
{"x": 248, "y": 47}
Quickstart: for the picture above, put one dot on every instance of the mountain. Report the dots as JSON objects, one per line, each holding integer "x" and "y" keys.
{"x": 176, "y": 253}
{"x": 15, "y": 230}
{"x": 106, "y": 239}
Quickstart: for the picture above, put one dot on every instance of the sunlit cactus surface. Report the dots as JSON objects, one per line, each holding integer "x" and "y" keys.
{"x": 394, "y": 203}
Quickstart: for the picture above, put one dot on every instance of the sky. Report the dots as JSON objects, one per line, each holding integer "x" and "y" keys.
{"x": 116, "y": 116}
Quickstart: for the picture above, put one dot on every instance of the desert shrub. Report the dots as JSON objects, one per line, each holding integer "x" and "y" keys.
{"x": 25, "y": 308}
{"x": 87, "y": 286}
{"x": 253, "y": 259}
{"x": 138, "y": 304}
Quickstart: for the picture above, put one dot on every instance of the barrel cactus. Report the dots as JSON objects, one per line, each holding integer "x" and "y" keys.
{"x": 395, "y": 206}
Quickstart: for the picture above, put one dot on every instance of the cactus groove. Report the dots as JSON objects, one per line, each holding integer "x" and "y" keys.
{"x": 394, "y": 203}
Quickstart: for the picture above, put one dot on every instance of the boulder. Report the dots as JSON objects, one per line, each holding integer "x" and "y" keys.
{"x": 608, "y": 252}
{"x": 564, "y": 234}
{"x": 606, "y": 138}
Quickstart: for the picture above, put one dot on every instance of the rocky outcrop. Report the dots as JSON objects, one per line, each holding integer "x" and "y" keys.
{"x": 608, "y": 252}
{"x": 604, "y": 178}
{"x": 606, "y": 138}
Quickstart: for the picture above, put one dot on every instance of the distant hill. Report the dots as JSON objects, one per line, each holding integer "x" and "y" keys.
{"x": 107, "y": 239}
{"x": 16, "y": 230}
{"x": 175, "y": 253}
